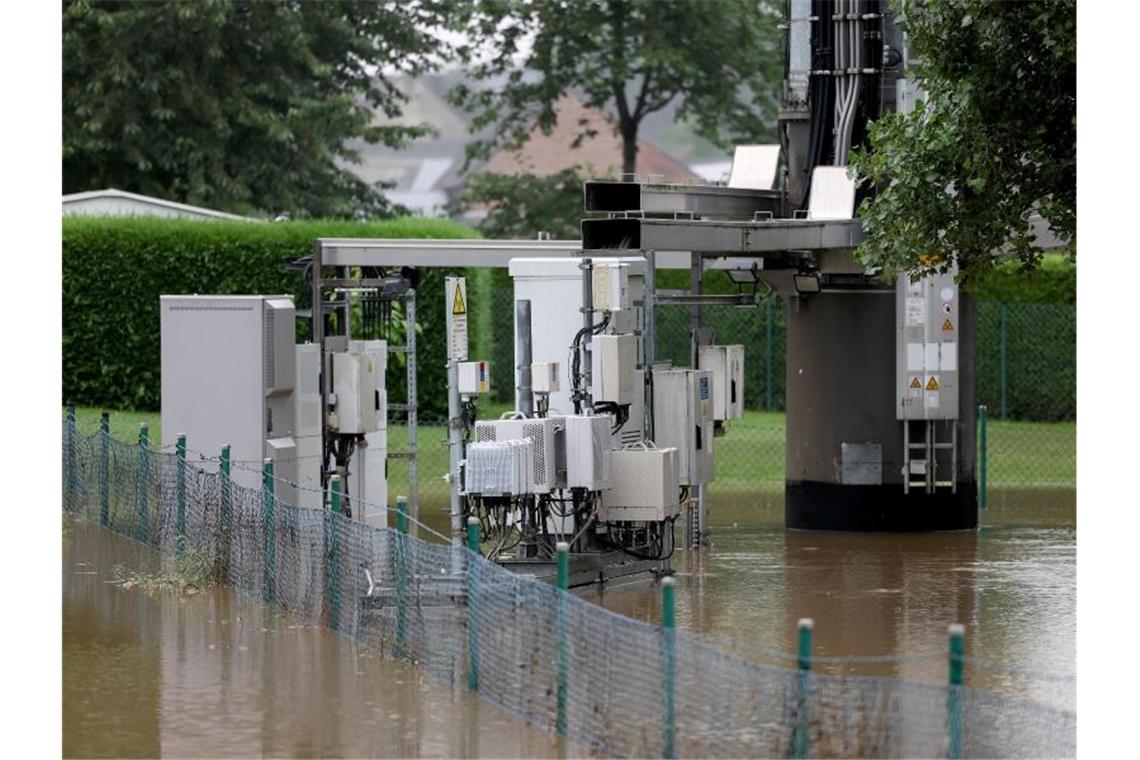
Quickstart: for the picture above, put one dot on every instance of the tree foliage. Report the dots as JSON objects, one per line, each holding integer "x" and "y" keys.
{"x": 720, "y": 60}
{"x": 522, "y": 205}
{"x": 239, "y": 105}
{"x": 993, "y": 141}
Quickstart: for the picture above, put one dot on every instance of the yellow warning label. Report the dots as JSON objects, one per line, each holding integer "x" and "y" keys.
{"x": 947, "y": 326}
{"x": 932, "y": 383}
{"x": 914, "y": 383}
{"x": 458, "y": 306}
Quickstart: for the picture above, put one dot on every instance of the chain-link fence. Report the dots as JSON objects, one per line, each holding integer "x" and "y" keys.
{"x": 617, "y": 685}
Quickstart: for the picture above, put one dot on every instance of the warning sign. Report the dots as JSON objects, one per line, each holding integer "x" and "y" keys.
{"x": 947, "y": 326}
{"x": 915, "y": 383}
{"x": 456, "y": 318}
{"x": 932, "y": 383}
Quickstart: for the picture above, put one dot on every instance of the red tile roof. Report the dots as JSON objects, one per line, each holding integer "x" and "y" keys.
{"x": 601, "y": 155}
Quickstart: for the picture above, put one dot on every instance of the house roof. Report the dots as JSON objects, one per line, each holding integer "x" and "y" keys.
{"x": 544, "y": 154}
{"x": 112, "y": 202}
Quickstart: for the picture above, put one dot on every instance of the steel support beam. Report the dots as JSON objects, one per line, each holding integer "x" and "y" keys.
{"x": 692, "y": 200}
{"x": 775, "y": 236}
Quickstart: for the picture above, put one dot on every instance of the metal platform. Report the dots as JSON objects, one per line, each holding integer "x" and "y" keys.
{"x": 708, "y": 201}
{"x": 587, "y": 568}
{"x": 714, "y": 236}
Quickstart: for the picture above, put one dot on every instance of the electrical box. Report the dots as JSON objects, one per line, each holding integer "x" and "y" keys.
{"x": 283, "y": 453}
{"x": 553, "y": 285}
{"x": 633, "y": 430}
{"x": 645, "y": 486}
{"x": 683, "y": 419}
{"x": 928, "y": 323}
{"x": 358, "y": 384}
{"x": 544, "y": 377}
{"x": 610, "y": 286}
{"x": 226, "y": 375}
{"x": 368, "y": 468}
{"x": 496, "y": 468}
{"x": 279, "y": 339}
{"x": 614, "y": 363}
{"x": 727, "y": 366}
{"x": 546, "y": 434}
{"x": 588, "y": 447}
{"x": 307, "y": 432}
{"x": 474, "y": 378}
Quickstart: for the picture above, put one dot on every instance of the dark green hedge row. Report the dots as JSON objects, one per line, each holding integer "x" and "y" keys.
{"x": 115, "y": 269}
{"x": 1053, "y": 282}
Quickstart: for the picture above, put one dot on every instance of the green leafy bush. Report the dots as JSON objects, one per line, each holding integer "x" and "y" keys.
{"x": 114, "y": 270}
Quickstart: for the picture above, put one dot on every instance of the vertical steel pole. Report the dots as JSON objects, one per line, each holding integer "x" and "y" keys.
{"x": 412, "y": 413}
{"x": 454, "y": 433}
{"x": 768, "y": 353}
{"x": 71, "y": 456}
{"x": 803, "y": 686}
{"x": 649, "y": 337}
{"x": 669, "y": 665}
{"x": 142, "y": 476}
{"x": 333, "y": 520}
{"x": 225, "y": 511}
{"x": 104, "y": 469}
{"x": 957, "y": 641}
{"x": 401, "y": 573}
{"x": 587, "y": 267}
{"x": 270, "y": 533}
{"x": 1003, "y": 355}
{"x": 180, "y": 493}
{"x": 983, "y": 456}
{"x": 472, "y": 605}
{"x": 563, "y": 550}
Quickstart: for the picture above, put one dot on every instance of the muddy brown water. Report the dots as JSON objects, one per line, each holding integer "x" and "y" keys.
{"x": 210, "y": 675}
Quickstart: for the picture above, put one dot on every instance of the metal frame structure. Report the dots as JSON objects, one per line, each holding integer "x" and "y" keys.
{"x": 765, "y": 246}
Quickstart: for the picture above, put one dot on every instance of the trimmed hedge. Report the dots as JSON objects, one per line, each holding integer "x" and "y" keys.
{"x": 114, "y": 270}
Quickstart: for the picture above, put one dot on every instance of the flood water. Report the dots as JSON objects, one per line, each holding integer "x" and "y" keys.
{"x": 163, "y": 675}
{"x": 158, "y": 674}
{"x": 1012, "y": 584}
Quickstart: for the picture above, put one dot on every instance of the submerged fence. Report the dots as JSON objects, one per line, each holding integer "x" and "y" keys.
{"x": 615, "y": 685}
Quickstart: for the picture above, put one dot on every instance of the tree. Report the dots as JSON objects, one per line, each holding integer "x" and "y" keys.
{"x": 244, "y": 106}
{"x": 629, "y": 58}
{"x": 993, "y": 141}
{"x": 521, "y": 205}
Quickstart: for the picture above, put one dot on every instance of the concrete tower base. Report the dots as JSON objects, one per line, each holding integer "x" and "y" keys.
{"x": 841, "y": 389}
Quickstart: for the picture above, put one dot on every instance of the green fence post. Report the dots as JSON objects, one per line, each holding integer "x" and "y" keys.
{"x": 983, "y": 455}
{"x": 180, "y": 492}
{"x": 472, "y": 605}
{"x": 768, "y": 353}
{"x": 335, "y": 509}
{"x": 142, "y": 530}
{"x": 270, "y": 533}
{"x": 401, "y": 573}
{"x": 668, "y": 665}
{"x": 1002, "y": 357}
{"x": 71, "y": 456}
{"x": 563, "y": 550}
{"x": 957, "y": 636}
{"x": 225, "y": 511}
{"x": 104, "y": 469}
{"x": 803, "y": 686}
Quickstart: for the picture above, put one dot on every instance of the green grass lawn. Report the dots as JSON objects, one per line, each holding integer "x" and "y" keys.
{"x": 749, "y": 458}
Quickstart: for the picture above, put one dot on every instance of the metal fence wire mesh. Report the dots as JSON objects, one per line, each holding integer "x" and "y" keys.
{"x": 617, "y": 685}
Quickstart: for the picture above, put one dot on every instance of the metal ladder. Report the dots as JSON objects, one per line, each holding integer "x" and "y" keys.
{"x": 927, "y": 464}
